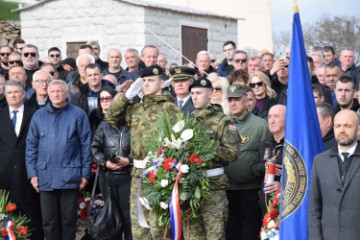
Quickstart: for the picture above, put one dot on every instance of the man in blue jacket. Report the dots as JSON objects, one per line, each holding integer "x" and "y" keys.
{"x": 58, "y": 160}
{"x": 226, "y": 67}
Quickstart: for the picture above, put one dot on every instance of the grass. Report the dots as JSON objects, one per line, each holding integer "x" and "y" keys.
{"x": 5, "y": 11}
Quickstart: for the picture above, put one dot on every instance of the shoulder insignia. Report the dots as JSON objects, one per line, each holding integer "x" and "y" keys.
{"x": 232, "y": 127}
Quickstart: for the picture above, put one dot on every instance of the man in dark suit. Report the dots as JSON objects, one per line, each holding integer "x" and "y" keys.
{"x": 15, "y": 121}
{"x": 334, "y": 208}
{"x": 183, "y": 77}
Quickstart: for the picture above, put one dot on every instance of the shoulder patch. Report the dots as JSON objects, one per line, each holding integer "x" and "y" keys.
{"x": 232, "y": 127}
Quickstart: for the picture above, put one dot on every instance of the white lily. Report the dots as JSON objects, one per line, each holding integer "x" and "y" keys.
{"x": 178, "y": 126}
{"x": 184, "y": 168}
{"x": 145, "y": 203}
{"x": 164, "y": 205}
{"x": 186, "y": 135}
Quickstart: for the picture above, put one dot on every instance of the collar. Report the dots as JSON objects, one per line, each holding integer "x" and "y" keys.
{"x": 351, "y": 150}
{"x": 20, "y": 109}
{"x": 184, "y": 99}
{"x": 243, "y": 118}
{"x": 150, "y": 100}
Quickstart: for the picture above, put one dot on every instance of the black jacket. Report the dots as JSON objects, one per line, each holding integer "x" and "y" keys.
{"x": 33, "y": 103}
{"x": 109, "y": 142}
{"x": 329, "y": 140}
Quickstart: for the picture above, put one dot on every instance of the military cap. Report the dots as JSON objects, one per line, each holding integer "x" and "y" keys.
{"x": 235, "y": 91}
{"x": 153, "y": 70}
{"x": 182, "y": 72}
{"x": 201, "y": 83}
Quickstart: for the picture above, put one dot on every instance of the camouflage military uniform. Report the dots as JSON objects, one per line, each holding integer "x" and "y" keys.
{"x": 222, "y": 130}
{"x": 142, "y": 118}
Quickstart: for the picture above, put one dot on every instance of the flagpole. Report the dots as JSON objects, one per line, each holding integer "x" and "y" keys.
{"x": 295, "y": 6}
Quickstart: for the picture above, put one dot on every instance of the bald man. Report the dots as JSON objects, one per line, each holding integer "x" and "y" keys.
{"x": 334, "y": 208}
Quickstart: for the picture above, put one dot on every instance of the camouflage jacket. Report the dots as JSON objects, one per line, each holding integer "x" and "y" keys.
{"x": 222, "y": 130}
{"x": 142, "y": 118}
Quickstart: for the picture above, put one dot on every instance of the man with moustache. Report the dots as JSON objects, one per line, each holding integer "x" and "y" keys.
{"x": 334, "y": 189}
{"x": 30, "y": 60}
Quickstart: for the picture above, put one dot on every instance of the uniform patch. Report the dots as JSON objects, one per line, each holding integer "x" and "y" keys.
{"x": 178, "y": 70}
{"x": 155, "y": 71}
{"x": 203, "y": 83}
{"x": 232, "y": 127}
{"x": 244, "y": 138}
{"x": 232, "y": 88}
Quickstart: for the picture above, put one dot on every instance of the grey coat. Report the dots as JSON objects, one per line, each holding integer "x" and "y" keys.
{"x": 334, "y": 207}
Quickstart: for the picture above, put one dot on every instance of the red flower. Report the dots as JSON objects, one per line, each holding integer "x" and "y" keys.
{"x": 275, "y": 202}
{"x": 10, "y": 207}
{"x": 4, "y": 233}
{"x": 160, "y": 151}
{"x": 168, "y": 163}
{"x": 152, "y": 176}
{"x": 266, "y": 219}
{"x": 83, "y": 214}
{"x": 195, "y": 159}
{"x": 274, "y": 213}
{"x": 22, "y": 231}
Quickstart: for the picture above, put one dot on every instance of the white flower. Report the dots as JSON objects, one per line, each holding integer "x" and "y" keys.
{"x": 164, "y": 182}
{"x": 276, "y": 237}
{"x": 164, "y": 205}
{"x": 263, "y": 235}
{"x": 271, "y": 224}
{"x": 145, "y": 203}
{"x": 87, "y": 199}
{"x": 176, "y": 143}
{"x": 187, "y": 135}
{"x": 184, "y": 168}
{"x": 82, "y": 205}
{"x": 178, "y": 126}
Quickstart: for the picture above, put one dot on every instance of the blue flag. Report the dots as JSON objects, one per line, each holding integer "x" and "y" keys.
{"x": 302, "y": 142}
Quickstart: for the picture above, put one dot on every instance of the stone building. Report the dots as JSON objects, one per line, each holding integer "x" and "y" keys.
{"x": 123, "y": 24}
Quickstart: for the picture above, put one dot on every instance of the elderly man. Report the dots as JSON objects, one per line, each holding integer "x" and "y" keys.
{"x": 96, "y": 51}
{"x": 182, "y": 78}
{"x": 58, "y": 160}
{"x": 132, "y": 61}
{"x": 203, "y": 64}
{"x": 114, "y": 58}
{"x": 242, "y": 192}
{"x": 334, "y": 187}
{"x": 15, "y": 121}
{"x": 240, "y": 60}
{"x": 18, "y": 73}
{"x": 79, "y": 79}
{"x": 254, "y": 64}
{"x": 30, "y": 60}
{"x": 226, "y": 67}
{"x": 41, "y": 80}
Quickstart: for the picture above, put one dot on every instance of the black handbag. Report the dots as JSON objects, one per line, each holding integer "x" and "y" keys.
{"x": 106, "y": 222}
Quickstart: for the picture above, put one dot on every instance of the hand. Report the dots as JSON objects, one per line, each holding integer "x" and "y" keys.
{"x": 124, "y": 162}
{"x": 126, "y": 85}
{"x": 134, "y": 89}
{"x": 271, "y": 187}
{"x": 278, "y": 64}
{"x": 83, "y": 183}
{"x": 35, "y": 183}
{"x": 278, "y": 169}
{"x": 113, "y": 166}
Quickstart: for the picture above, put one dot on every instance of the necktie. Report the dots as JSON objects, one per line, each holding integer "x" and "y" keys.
{"x": 13, "y": 120}
{"x": 181, "y": 103}
{"x": 344, "y": 164}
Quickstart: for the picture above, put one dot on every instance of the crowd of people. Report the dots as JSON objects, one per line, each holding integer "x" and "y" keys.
{"x": 61, "y": 115}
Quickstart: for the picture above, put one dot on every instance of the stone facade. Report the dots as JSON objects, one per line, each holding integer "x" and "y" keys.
{"x": 9, "y": 30}
{"x": 118, "y": 24}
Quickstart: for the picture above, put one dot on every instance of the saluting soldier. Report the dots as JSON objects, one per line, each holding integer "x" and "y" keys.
{"x": 142, "y": 118}
{"x": 222, "y": 130}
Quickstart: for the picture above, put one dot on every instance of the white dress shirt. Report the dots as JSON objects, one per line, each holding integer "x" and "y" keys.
{"x": 19, "y": 117}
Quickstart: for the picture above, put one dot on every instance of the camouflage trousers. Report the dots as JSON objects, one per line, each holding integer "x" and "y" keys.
{"x": 211, "y": 225}
{"x": 139, "y": 233}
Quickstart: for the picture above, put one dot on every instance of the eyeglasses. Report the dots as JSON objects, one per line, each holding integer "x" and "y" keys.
{"x": 259, "y": 84}
{"x": 32, "y": 54}
{"x": 215, "y": 89}
{"x": 54, "y": 55}
{"x": 105, "y": 99}
{"x": 15, "y": 62}
{"x": 240, "y": 60}
{"x": 42, "y": 81}
{"x": 3, "y": 54}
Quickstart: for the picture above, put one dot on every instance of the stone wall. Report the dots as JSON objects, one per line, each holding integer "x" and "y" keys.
{"x": 9, "y": 31}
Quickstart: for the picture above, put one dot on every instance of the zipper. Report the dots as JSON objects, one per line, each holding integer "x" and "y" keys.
{"x": 121, "y": 134}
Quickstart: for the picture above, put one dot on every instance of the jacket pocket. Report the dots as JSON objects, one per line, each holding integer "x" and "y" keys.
{"x": 71, "y": 174}
{"x": 43, "y": 173}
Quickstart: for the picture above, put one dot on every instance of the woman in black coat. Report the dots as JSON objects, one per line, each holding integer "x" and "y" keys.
{"x": 111, "y": 149}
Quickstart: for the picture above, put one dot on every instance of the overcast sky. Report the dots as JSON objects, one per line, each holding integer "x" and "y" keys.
{"x": 310, "y": 11}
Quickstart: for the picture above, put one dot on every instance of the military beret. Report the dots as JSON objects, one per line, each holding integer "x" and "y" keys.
{"x": 182, "y": 72}
{"x": 236, "y": 90}
{"x": 153, "y": 70}
{"x": 201, "y": 83}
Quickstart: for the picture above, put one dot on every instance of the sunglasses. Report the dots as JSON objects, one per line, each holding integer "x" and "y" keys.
{"x": 105, "y": 99}
{"x": 259, "y": 84}
{"x": 15, "y": 62}
{"x": 3, "y": 54}
{"x": 42, "y": 81}
{"x": 215, "y": 89}
{"x": 54, "y": 55}
{"x": 240, "y": 60}
{"x": 32, "y": 54}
